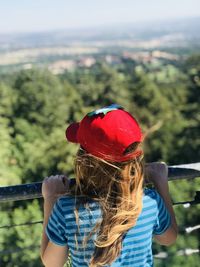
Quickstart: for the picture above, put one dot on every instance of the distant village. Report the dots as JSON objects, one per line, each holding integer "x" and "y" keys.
{"x": 60, "y": 59}
{"x": 61, "y": 66}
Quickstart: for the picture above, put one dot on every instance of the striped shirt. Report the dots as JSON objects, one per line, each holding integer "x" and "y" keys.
{"x": 137, "y": 242}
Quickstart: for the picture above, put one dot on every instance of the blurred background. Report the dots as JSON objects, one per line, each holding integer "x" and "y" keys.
{"x": 61, "y": 59}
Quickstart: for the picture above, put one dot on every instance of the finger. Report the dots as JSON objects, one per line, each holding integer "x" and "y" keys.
{"x": 65, "y": 181}
{"x": 46, "y": 179}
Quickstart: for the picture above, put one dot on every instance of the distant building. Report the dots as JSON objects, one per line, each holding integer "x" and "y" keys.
{"x": 60, "y": 66}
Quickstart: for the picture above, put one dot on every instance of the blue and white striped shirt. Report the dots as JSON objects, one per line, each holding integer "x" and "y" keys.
{"x": 137, "y": 242}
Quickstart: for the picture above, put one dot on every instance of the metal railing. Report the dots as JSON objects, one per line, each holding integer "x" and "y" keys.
{"x": 33, "y": 190}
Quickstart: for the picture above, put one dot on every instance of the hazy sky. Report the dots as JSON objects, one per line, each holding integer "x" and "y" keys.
{"x": 39, "y": 15}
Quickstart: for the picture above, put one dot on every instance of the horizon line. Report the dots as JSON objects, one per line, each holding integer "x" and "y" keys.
{"x": 98, "y": 26}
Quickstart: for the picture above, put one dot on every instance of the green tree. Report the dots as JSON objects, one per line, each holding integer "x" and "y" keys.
{"x": 9, "y": 171}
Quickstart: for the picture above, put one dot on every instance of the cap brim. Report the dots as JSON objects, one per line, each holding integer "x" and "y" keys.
{"x": 71, "y": 132}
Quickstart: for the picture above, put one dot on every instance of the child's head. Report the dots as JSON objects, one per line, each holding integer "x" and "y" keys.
{"x": 109, "y": 169}
{"x": 107, "y": 133}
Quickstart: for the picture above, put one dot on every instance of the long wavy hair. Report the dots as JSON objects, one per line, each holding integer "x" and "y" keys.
{"x": 118, "y": 187}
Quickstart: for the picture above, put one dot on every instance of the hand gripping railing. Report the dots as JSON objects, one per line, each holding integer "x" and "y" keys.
{"x": 33, "y": 190}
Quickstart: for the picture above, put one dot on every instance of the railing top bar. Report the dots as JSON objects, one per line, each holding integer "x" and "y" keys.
{"x": 33, "y": 190}
{"x": 184, "y": 171}
{"x": 194, "y": 166}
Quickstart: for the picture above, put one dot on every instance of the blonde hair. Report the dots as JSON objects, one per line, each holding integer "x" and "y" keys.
{"x": 118, "y": 187}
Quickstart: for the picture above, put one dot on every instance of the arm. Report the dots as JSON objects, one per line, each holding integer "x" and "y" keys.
{"x": 52, "y": 255}
{"x": 157, "y": 173}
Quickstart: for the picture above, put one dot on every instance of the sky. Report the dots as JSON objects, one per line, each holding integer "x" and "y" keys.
{"x": 42, "y": 15}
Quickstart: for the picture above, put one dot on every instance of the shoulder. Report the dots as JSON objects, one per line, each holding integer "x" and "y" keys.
{"x": 74, "y": 208}
{"x": 151, "y": 199}
{"x": 66, "y": 202}
{"x": 149, "y": 205}
{"x": 69, "y": 203}
{"x": 66, "y": 199}
{"x": 151, "y": 194}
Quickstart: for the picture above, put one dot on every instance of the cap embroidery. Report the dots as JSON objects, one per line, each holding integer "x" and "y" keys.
{"x": 104, "y": 110}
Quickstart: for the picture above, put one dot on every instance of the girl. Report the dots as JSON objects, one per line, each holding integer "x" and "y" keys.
{"x": 107, "y": 218}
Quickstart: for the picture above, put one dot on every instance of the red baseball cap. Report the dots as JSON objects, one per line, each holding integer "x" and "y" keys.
{"x": 106, "y": 133}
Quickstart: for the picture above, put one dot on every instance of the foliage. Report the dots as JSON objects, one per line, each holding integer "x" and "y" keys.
{"x": 20, "y": 245}
{"x": 35, "y": 108}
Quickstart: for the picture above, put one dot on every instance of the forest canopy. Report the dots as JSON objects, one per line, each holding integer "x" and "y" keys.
{"x": 36, "y": 107}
